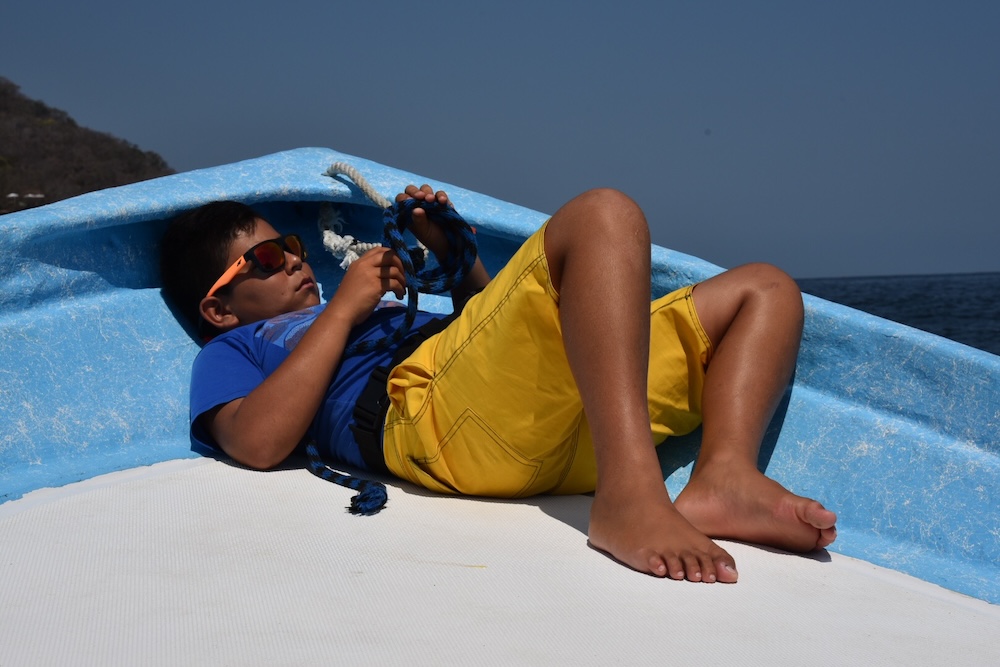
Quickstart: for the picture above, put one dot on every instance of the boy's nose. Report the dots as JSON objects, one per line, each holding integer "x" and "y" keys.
{"x": 292, "y": 261}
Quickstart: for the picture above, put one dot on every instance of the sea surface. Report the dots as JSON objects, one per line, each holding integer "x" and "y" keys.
{"x": 963, "y": 307}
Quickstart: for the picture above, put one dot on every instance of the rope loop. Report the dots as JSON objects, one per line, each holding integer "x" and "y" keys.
{"x": 397, "y": 218}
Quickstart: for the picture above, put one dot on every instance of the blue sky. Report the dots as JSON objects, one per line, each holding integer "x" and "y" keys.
{"x": 832, "y": 139}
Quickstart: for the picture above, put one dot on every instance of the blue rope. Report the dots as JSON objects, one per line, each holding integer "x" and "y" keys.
{"x": 371, "y": 496}
{"x": 446, "y": 276}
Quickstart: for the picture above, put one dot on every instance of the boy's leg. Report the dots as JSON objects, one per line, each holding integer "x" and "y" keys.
{"x": 598, "y": 252}
{"x": 753, "y": 315}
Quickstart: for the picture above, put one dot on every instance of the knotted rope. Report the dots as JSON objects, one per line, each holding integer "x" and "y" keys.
{"x": 371, "y": 497}
{"x": 343, "y": 246}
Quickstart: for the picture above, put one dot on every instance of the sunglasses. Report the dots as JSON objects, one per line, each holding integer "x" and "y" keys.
{"x": 268, "y": 257}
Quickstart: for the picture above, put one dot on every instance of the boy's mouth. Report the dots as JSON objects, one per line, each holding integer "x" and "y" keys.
{"x": 308, "y": 283}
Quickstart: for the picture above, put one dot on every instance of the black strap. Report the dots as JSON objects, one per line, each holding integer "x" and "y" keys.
{"x": 373, "y": 403}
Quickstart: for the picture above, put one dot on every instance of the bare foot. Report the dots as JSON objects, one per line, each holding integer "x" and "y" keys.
{"x": 645, "y": 532}
{"x": 739, "y": 502}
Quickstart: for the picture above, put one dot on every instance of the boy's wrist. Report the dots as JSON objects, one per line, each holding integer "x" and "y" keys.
{"x": 336, "y": 314}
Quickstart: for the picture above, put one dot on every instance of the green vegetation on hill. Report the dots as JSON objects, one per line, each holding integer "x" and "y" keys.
{"x": 45, "y": 156}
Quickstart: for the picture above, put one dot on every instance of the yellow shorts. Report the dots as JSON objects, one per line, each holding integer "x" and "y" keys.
{"x": 489, "y": 406}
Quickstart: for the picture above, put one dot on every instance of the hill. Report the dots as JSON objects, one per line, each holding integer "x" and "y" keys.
{"x": 45, "y": 156}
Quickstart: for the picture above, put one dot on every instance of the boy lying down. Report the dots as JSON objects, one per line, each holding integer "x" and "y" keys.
{"x": 556, "y": 377}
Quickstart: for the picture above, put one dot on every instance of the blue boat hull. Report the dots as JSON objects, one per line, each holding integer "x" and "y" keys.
{"x": 893, "y": 428}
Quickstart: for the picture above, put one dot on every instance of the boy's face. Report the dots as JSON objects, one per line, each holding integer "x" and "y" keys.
{"x": 253, "y": 296}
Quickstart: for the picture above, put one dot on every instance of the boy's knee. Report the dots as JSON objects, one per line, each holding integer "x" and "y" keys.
{"x": 608, "y": 197}
{"x": 771, "y": 283}
{"x": 768, "y": 276}
{"x": 614, "y": 204}
{"x": 606, "y": 210}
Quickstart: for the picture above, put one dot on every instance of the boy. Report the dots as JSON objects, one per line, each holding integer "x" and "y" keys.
{"x": 559, "y": 377}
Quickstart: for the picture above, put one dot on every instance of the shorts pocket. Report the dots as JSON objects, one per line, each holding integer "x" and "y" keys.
{"x": 473, "y": 459}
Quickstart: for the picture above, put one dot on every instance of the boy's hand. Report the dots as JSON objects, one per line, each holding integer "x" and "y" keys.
{"x": 426, "y": 231}
{"x": 433, "y": 237}
{"x": 367, "y": 279}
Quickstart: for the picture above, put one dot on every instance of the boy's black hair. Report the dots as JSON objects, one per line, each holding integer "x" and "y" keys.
{"x": 194, "y": 252}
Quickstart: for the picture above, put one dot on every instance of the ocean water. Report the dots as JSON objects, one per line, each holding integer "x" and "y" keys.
{"x": 963, "y": 307}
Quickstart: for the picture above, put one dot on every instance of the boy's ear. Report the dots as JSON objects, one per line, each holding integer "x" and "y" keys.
{"x": 217, "y": 313}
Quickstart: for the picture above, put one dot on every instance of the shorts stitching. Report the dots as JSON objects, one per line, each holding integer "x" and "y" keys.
{"x": 699, "y": 327}
{"x": 688, "y": 297}
{"x": 536, "y": 465}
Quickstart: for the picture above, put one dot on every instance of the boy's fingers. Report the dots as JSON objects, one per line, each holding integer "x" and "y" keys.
{"x": 424, "y": 193}
{"x": 394, "y": 260}
{"x": 392, "y": 271}
{"x": 383, "y": 257}
{"x": 408, "y": 193}
{"x": 395, "y": 286}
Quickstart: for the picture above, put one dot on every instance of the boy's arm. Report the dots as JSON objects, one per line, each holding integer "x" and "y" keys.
{"x": 261, "y": 429}
{"x": 434, "y": 239}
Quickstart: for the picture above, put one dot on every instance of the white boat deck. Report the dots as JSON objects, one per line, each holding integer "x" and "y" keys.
{"x": 199, "y": 562}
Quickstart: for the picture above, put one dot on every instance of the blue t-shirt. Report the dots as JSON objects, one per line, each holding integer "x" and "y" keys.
{"x": 236, "y": 362}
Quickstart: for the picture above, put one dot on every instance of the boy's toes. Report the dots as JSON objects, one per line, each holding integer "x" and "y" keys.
{"x": 692, "y": 568}
{"x": 814, "y": 514}
{"x": 821, "y": 519}
{"x": 725, "y": 571}
{"x": 675, "y": 568}
{"x": 657, "y": 567}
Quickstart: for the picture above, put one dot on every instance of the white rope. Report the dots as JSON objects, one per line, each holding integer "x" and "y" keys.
{"x": 343, "y": 247}
{"x": 331, "y": 222}
{"x": 338, "y": 168}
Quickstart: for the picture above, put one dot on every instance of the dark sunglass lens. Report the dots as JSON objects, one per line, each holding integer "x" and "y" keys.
{"x": 294, "y": 245}
{"x": 270, "y": 255}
